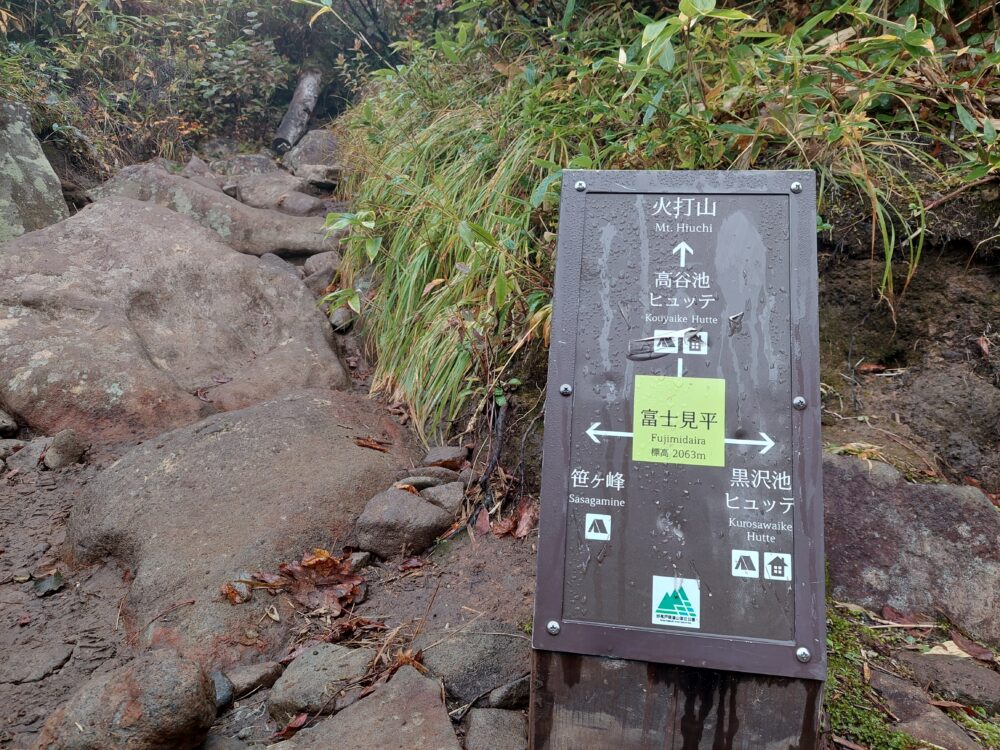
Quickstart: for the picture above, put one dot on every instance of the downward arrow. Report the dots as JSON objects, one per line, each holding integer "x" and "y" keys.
{"x": 766, "y": 442}
{"x": 683, "y": 248}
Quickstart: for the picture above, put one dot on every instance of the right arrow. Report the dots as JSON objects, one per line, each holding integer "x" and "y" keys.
{"x": 683, "y": 248}
{"x": 767, "y": 443}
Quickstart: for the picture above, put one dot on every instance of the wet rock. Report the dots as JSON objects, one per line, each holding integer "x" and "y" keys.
{"x": 476, "y": 659}
{"x": 254, "y": 231}
{"x": 437, "y": 473}
{"x": 244, "y": 164}
{"x": 223, "y": 690}
{"x": 128, "y": 319}
{"x": 9, "y": 447}
{"x": 405, "y": 714}
{"x": 917, "y": 717}
{"x": 8, "y": 425}
{"x": 318, "y": 282}
{"x": 420, "y": 482}
{"x": 397, "y": 519}
{"x": 322, "y": 263}
{"x": 341, "y": 319}
{"x": 198, "y": 168}
{"x": 240, "y": 491}
{"x": 955, "y": 678}
{"x": 296, "y": 203}
{"x": 468, "y": 477}
{"x": 448, "y": 456}
{"x": 919, "y": 548}
{"x": 448, "y": 497}
{"x": 249, "y": 677}
{"x": 279, "y": 264}
{"x": 267, "y": 190}
{"x": 158, "y": 701}
{"x": 496, "y": 729}
{"x": 66, "y": 449}
{"x": 319, "y": 681}
{"x": 314, "y": 159}
{"x": 208, "y": 183}
{"x": 360, "y": 560}
{"x": 24, "y": 664}
{"x": 29, "y": 457}
{"x": 512, "y": 695}
{"x": 30, "y": 194}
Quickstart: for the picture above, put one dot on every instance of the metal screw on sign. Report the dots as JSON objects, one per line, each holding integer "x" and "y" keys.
{"x": 799, "y": 402}
{"x": 553, "y": 627}
{"x": 566, "y": 389}
{"x": 580, "y": 186}
{"x": 802, "y": 654}
{"x": 796, "y": 187}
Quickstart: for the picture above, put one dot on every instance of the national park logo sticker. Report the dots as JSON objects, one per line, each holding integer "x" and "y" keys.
{"x": 676, "y": 602}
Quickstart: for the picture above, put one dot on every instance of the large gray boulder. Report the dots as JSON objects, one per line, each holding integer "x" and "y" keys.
{"x": 919, "y": 548}
{"x": 254, "y": 231}
{"x": 30, "y": 193}
{"x": 157, "y": 702}
{"x": 128, "y": 319}
{"x": 405, "y": 714}
{"x": 219, "y": 500}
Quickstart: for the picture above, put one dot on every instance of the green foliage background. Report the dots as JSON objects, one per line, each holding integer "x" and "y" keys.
{"x": 459, "y": 152}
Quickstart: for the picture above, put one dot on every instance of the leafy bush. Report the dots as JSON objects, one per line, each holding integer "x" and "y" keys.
{"x": 460, "y": 151}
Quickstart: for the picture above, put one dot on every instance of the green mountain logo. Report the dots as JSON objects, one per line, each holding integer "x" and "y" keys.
{"x": 677, "y": 605}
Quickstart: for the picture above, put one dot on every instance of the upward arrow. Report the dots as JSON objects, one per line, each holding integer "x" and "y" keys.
{"x": 683, "y": 248}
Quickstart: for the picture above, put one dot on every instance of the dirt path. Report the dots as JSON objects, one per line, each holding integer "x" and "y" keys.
{"x": 51, "y": 643}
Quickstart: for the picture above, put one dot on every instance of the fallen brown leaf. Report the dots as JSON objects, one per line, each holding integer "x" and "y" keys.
{"x": 527, "y": 519}
{"x": 407, "y": 488}
{"x": 291, "y": 727}
{"x": 483, "y": 522}
{"x": 973, "y": 649}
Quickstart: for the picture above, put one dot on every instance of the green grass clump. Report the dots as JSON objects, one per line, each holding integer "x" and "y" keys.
{"x": 457, "y": 156}
{"x": 985, "y": 729}
{"x": 851, "y": 705}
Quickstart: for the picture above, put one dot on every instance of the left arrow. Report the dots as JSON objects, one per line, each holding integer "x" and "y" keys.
{"x": 594, "y": 434}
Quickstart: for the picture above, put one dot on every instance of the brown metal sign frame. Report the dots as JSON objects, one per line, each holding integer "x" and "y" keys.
{"x": 803, "y": 657}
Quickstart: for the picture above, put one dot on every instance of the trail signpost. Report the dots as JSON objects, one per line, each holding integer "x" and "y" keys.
{"x": 680, "y": 597}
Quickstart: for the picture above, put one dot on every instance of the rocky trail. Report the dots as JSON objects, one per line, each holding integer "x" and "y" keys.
{"x": 210, "y": 535}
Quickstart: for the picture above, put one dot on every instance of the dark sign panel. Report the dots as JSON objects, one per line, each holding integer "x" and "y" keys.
{"x": 681, "y": 499}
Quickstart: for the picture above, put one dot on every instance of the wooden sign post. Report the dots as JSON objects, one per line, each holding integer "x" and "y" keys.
{"x": 680, "y": 591}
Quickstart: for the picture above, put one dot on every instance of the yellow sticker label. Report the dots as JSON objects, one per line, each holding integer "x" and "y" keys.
{"x": 679, "y": 420}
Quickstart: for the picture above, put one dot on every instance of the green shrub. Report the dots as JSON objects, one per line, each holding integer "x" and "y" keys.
{"x": 459, "y": 154}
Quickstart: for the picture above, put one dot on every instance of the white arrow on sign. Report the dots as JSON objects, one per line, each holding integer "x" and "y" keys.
{"x": 594, "y": 434}
{"x": 766, "y": 442}
{"x": 683, "y": 248}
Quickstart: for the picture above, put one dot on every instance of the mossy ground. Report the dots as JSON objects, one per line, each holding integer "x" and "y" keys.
{"x": 852, "y": 706}
{"x": 854, "y": 710}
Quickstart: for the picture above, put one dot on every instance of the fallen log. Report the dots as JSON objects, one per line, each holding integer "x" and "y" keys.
{"x": 296, "y": 120}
